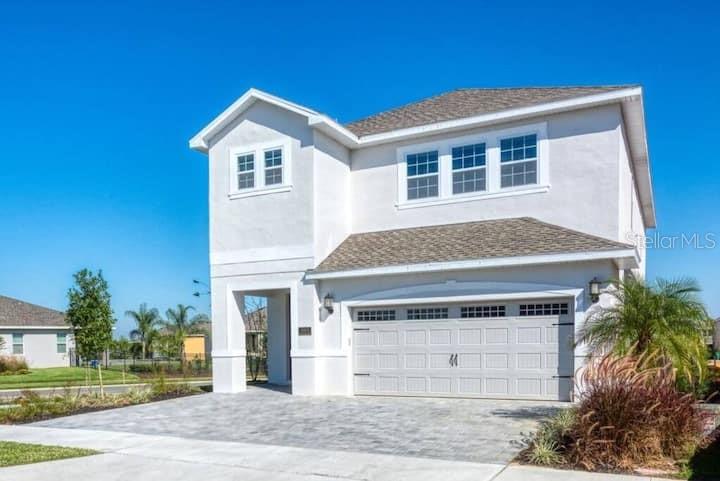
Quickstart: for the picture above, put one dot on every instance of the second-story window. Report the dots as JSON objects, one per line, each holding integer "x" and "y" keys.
{"x": 468, "y": 165}
{"x": 422, "y": 175}
{"x": 518, "y": 159}
{"x": 273, "y": 167}
{"x": 245, "y": 171}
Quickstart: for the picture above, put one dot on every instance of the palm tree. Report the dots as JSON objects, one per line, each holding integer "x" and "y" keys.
{"x": 180, "y": 324}
{"x": 147, "y": 321}
{"x": 665, "y": 319}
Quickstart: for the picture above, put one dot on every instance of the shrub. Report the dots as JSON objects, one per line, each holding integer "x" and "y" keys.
{"x": 631, "y": 415}
{"x": 13, "y": 365}
{"x": 547, "y": 446}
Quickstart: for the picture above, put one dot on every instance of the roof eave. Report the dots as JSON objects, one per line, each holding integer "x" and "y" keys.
{"x": 201, "y": 140}
{"x": 624, "y": 258}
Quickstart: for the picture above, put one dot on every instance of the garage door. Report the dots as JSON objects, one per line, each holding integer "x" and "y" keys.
{"x": 515, "y": 351}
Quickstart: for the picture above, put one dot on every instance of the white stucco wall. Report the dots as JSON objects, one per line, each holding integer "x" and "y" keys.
{"x": 262, "y": 227}
{"x": 583, "y": 195}
{"x": 39, "y": 346}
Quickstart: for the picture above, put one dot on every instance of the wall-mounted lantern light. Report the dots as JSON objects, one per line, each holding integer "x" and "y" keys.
{"x": 328, "y": 302}
{"x": 594, "y": 289}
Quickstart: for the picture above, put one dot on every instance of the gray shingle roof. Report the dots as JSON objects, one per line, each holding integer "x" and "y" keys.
{"x": 459, "y": 242}
{"x": 464, "y": 103}
{"x": 18, "y": 313}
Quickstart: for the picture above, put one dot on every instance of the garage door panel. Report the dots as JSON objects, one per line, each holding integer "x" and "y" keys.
{"x": 416, "y": 337}
{"x": 510, "y": 357}
{"x": 440, "y": 360}
{"x": 440, "y": 337}
{"x": 415, "y": 360}
{"x": 496, "y": 335}
{"x": 468, "y": 336}
{"x": 389, "y": 337}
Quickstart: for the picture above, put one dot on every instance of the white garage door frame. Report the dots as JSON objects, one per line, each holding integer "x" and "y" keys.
{"x": 458, "y": 292}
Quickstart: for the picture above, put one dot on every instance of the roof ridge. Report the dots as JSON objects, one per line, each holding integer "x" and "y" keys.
{"x": 540, "y": 87}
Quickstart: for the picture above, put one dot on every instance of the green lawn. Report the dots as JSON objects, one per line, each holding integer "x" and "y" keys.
{"x": 12, "y": 454}
{"x": 60, "y": 377}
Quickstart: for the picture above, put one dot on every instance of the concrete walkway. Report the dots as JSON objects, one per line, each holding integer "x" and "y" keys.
{"x": 143, "y": 457}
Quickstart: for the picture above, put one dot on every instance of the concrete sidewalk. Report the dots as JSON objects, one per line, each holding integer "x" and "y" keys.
{"x": 147, "y": 457}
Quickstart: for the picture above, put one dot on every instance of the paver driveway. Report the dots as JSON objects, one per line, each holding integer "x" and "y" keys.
{"x": 484, "y": 431}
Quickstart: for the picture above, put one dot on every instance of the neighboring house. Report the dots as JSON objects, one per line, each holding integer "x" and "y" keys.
{"x": 195, "y": 347}
{"x": 38, "y": 334}
{"x": 716, "y": 336}
{"x": 443, "y": 248}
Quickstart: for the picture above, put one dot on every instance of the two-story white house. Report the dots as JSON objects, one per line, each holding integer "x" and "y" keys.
{"x": 443, "y": 248}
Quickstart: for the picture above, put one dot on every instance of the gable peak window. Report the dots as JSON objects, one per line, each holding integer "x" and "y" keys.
{"x": 518, "y": 159}
{"x": 422, "y": 175}
{"x": 260, "y": 169}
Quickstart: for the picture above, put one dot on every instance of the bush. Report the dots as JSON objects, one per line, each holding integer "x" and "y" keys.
{"x": 13, "y": 365}
{"x": 630, "y": 415}
{"x": 547, "y": 446}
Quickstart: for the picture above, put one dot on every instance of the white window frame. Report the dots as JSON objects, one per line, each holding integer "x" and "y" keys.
{"x": 258, "y": 150}
{"x": 491, "y": 139}
{"x": 420, "y": 176}
{"x": 21, "y": 344}
{"x": 469, "y": 169}
{"x": 58, "y": 343}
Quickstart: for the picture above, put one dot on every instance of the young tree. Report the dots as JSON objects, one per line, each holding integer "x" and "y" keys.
{"x": 146, "y": 321}
{"x": 90, "y": 315}
{"x": 121, "y": 348}
{"x": 665, "y": 319}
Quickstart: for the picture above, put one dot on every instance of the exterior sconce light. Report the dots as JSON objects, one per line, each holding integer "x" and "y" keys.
{"x": 594, "y": 290}
{"x": 328, "y": 302}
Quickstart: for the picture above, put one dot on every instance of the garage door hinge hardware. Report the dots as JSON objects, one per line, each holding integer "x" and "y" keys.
{"x": 564, "y": 324}
{"x": 359, "y": 329}
{"x": 362, "y": 373}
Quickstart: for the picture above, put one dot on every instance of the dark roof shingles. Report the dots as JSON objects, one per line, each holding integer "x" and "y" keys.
{"x": 14, "y": 312}
{"x": 463, "y": 103}
{"x": 458, "y": 242}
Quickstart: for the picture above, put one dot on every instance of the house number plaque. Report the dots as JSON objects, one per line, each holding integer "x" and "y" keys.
{"x": 304, "y": 331}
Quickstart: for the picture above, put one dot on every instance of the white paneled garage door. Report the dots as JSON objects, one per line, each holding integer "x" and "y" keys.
{"x": 510, "y": 351}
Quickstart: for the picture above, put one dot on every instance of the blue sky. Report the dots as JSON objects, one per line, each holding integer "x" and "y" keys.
{"x": 99, "y": 99}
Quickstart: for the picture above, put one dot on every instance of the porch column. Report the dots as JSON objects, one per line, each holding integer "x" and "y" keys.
{"x": 228, "y": 341}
